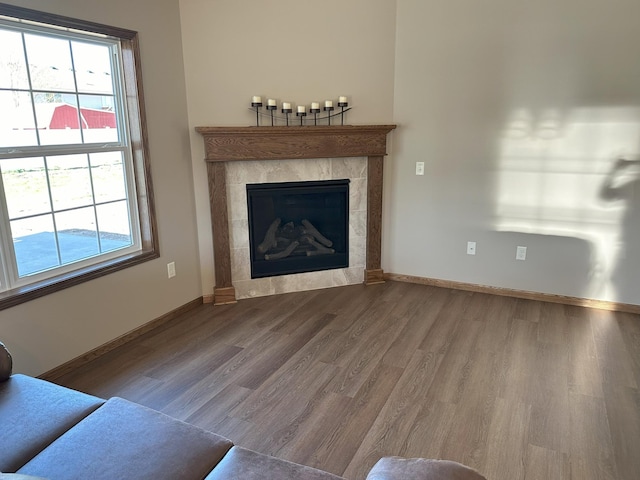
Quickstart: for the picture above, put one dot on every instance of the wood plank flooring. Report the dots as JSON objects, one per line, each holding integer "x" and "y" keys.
{"x": 338, "y": 378}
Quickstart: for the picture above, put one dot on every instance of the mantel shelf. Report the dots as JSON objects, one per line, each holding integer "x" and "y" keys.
{"x": 225, "y": 144}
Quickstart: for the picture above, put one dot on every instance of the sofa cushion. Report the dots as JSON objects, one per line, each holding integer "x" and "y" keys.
{"x": 33, "y": 413}
{"x": 243, "y": 464}
{"x": 396, "y": 468}
{"x": 126, "y": 440}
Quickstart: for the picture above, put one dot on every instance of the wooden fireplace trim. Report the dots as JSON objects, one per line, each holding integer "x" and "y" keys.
{"x": 225, "y": 144}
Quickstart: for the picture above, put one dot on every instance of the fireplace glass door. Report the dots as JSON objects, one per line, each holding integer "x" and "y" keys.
{"x": 297, "y": 227}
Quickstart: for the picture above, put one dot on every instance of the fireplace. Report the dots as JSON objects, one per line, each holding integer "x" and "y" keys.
{"x": 297, "y": 227}
{"x": 227, "y": 145}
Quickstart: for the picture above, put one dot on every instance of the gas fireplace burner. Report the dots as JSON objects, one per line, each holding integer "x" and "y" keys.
{"x": 297, "y": 227}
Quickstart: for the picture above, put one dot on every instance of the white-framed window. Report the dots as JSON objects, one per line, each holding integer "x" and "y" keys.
{"x": 75, "y": 194}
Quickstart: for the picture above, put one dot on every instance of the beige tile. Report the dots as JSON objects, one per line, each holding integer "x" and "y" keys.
{"x": 357, "y": 224}
{"x": 348, "y": 168}
{"x": 303, "y": 281}
{"x": 240, "y": 264}
{"x": 247, "y": 172}
{"x": 239, "y": 233}
{"x": 358, "y": 194}
{"x": 237, "y": 201}
{"x": 357, "y": 252}
{"x": 348, "y": 276}
{"x": 299, "y": 170}
{"x": 257, "y": 287}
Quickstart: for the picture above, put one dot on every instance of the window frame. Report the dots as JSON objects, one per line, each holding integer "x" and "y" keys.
{"x": 138, "y": 143}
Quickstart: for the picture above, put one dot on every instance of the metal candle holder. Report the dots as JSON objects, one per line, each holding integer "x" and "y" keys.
{"x": 342, "y": 105}
{"x": 286, "y": 112}
{"x": 271, "y": 108}
{"x": 301, "y": 115}
{"x": 328, "y": 109}
{"x": 257, "y": 106}
{"x": 315, "y": 112}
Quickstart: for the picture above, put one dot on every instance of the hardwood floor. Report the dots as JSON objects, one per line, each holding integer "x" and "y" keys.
{"x": 337, "y": 378}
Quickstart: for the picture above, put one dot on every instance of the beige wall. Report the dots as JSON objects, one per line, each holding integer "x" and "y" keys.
{"x": 291, "y": 50}
{"x": 46, "y": 332}
{"x": 518, "y": 110}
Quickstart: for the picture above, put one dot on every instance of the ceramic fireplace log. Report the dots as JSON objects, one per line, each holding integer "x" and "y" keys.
{"x": 270, "y": 240}
{"x": 284, "y": 253}
{"x": 314, "y": 231}
{"x": 319, "y": 248}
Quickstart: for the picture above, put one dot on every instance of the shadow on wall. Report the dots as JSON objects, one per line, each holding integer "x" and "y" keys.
{"x": 622, "y": 187}
{"x": 555, "y": 171}
{"x": 568, "y": 265}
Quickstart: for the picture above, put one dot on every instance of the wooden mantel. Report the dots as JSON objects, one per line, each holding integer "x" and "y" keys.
{"x": 225, "y": 144}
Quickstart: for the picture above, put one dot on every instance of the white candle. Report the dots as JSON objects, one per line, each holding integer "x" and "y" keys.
{"x": 315, "y": 106}
{"x": 271, "y": 102}
{"x": 328, "y": 104}
{"x": 286, "y": 106}
{"x": 256, "y": 99}
{"x": 301, "y": 108}
{"x": 342, "y": 100}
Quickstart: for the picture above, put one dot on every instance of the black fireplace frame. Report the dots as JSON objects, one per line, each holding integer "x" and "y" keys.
{"x": 261, "y": 268}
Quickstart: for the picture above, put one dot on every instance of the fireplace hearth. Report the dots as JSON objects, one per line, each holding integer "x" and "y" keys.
{"x": 297, "y": 227}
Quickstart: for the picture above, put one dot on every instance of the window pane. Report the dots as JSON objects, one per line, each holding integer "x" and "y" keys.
{"x": 93, "y": 67}
{"x": 13, "y": 69}
{"x": 77, "y": 234}
{"x": 107, "y": 171}
{"x": 70, "y": 181}
{"x": 35, "y": 244}
{"x": 115, "y": 231}
{"x": 49, "y": 63}
{"x": 17, "y": 126}
{"x": 25, "y": 187}
{"x": 57, "y": 116}
{"x": 98, "y": 118}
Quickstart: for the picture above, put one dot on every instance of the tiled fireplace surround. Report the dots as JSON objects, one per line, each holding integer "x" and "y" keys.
{"x": 239, "y": 155}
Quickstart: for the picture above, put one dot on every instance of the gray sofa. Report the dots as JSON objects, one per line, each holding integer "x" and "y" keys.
{"x": 49, "y": 431}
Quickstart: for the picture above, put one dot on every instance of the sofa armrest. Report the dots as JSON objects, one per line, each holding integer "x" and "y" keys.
{"x": 6, "y": 363}
{"x": 397, "y": 468}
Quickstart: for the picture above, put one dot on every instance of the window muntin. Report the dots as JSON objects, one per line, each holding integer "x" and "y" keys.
{"x": 69, "y": 173}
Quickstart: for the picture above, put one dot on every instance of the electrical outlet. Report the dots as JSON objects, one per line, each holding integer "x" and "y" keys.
{"x": 171, "y": 269}
{"x": 471, "y": 248}
{"x": 521, "y": 253}
{"x": 419, "y": 168}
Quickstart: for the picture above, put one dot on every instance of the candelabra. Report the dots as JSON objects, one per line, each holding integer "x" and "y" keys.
{"x": 301, "y": 113}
